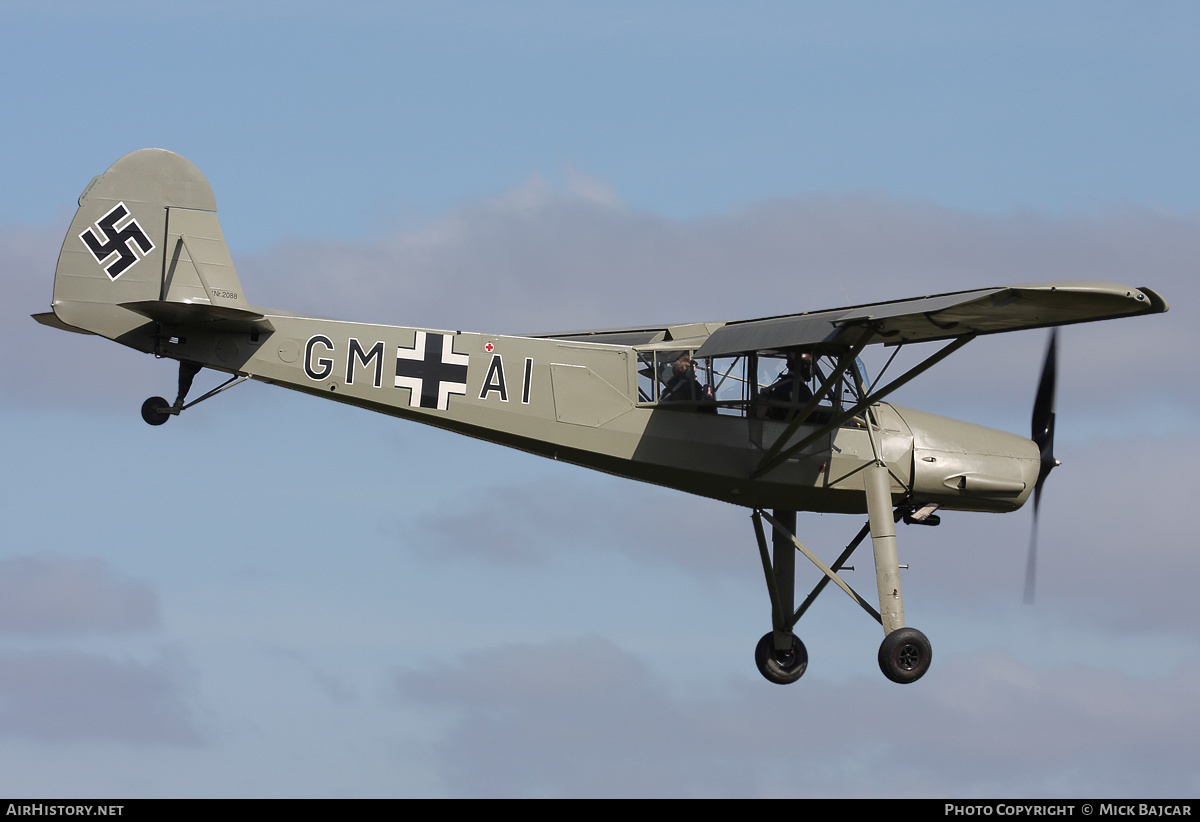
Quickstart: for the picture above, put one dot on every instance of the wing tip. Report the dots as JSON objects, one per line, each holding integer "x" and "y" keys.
{"x": 1157, "y": 304}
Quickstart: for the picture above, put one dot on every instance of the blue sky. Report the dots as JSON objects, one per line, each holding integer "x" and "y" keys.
{"x": 272, "y": 596}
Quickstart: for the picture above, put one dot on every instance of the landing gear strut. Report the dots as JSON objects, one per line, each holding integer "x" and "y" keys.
{"x": 904, "y": 655}
{"x": 156, "y": 411}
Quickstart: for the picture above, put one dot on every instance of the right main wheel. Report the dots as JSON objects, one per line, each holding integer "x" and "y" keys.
{"x": 905, "y": 655}
{"x": 781, "y": 667}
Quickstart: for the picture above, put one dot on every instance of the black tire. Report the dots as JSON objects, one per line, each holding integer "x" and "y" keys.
{"x": 905, "y": 655}
{"x": 781, "y": 667}
{"x": 151, "y": 412}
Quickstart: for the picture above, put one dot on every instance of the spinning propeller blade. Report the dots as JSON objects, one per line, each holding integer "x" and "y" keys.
{"x": 1043, "y": 435}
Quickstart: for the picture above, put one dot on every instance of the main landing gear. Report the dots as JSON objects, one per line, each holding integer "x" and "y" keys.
{"x": 905, "y": 654}
{"x": 781, "y": 667}
{"x": 156, "y": 411}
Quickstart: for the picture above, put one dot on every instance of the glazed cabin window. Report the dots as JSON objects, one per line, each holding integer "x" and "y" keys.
{"x": 677, "y": 379}
{"x": 786, "y": 382}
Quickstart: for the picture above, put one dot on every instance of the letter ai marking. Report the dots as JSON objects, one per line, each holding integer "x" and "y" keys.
{"x": 494, "y": 381}
{"x": 431, "y": 370}
{"x": 118, "y": 241}
{"x": 527, "y": 380}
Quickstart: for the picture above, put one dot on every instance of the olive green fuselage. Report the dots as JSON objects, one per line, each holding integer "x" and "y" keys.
{"x": 579, "y": 402}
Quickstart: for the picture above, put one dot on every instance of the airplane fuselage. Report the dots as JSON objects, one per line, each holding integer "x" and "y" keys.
{"x": 578, "y": 402}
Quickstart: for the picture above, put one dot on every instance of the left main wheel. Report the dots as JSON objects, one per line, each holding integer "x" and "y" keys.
{"x": 781, "y": 667}
{"x": 905, "y": 655}
{"x": 152, "y": 411}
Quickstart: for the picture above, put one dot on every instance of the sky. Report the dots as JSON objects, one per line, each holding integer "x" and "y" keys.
{"x": 273, "y": 596}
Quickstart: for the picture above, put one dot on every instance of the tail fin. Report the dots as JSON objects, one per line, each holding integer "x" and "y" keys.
{"x": 144, "y": 246}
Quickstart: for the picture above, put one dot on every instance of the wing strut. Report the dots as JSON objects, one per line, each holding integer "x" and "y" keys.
{"x": 822, "y": 391}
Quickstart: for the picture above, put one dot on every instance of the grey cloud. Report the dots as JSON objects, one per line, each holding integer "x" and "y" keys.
{"x": 44, "y": 366}
{"x": 584, "y": 718}
{"x": 1115, "y": 550}
{"x": 530, "y": 522}
{"x": 64, "y": 696}
{"x": 545, "y": 259}
{"x": 1117, "y": 547}
{"x": 539, "y": 256}
{"x": 48, "y": 594}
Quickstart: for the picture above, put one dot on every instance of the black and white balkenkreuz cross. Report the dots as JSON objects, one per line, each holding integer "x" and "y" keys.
{"x": 431, "y": 370}
{"x": 116, "y": 241}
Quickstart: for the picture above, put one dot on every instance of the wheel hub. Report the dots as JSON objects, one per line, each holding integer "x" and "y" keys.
{"x": 909, "y": 657}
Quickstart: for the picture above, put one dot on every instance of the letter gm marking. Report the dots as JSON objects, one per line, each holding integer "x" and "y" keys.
{"x": 124, "y": 242}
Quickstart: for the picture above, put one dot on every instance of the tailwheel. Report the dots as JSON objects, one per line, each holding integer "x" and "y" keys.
{"x": 154, "y": 411}
{"x": 781, "y": 667}
{"x": 905, "y": 655}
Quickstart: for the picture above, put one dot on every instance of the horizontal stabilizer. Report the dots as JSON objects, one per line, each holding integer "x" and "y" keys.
{"x": 211, "y": 316}
{"x": 51, "y": 319}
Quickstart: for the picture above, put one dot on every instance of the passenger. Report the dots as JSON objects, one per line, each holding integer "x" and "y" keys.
{"x": 683, "y": 384}
{"x": 791, "y": 387}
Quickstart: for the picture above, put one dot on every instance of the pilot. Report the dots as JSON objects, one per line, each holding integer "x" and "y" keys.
{"x": 792, "y": 385}
{"x": 683, "y": 384}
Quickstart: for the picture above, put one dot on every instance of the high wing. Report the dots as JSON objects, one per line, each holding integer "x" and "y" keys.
{"x": 940, "y": 317}
{"x": 921, "y": 319}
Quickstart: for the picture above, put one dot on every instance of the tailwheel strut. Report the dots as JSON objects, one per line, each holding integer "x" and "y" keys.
{"x": 156, "y": 410}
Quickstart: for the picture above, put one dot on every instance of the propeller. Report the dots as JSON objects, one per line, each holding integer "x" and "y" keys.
{"x": 1043, "y": 435}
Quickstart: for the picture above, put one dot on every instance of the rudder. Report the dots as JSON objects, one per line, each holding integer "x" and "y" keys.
{"x": 145, "y": 244}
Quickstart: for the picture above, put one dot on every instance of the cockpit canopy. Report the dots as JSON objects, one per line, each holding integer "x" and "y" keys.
{"x": 768, "y": 384}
